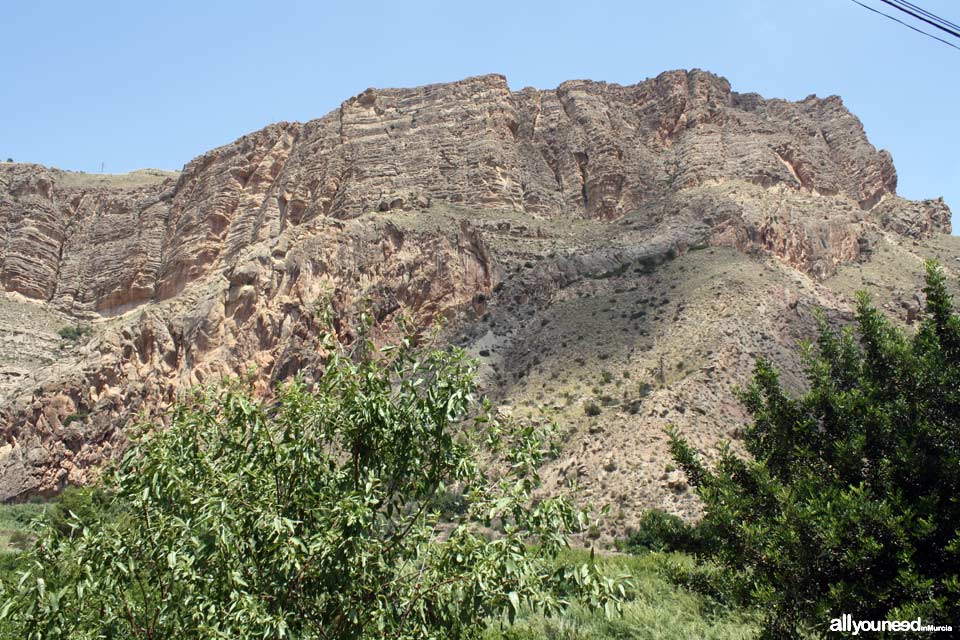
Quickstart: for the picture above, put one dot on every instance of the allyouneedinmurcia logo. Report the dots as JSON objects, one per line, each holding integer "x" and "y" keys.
{"x": 846, "y": 623}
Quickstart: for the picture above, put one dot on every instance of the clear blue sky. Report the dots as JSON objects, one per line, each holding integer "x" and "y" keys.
{"x": 153, "y": 84}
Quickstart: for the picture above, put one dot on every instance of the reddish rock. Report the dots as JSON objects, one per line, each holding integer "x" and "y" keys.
{"x": 188, "y": 277}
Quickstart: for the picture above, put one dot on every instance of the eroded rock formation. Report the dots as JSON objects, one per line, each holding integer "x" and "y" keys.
{"x": 385, "y": 204}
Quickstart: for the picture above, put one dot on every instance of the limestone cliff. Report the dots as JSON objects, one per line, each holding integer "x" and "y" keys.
{"x": 465, "y": 200}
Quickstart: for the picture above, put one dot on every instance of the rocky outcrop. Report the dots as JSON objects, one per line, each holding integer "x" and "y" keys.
{"x": 83, "y": 246}
{"x": 585, "y": 149}
{"x": 188, "y": 277}
{"x": 913, "y": 219}
{"x": 256, "y": 315}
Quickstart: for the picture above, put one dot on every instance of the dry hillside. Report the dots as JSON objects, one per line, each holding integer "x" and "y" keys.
{"x": 615, "y": 256}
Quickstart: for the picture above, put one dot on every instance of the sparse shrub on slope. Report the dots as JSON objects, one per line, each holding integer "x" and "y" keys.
{"x": 315, "y": 517}
{"x": 72, "y": 333}
{"x": 850, "y": 501}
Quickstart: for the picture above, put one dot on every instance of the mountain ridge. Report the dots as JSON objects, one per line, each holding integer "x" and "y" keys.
{"x": 466, "y": 201}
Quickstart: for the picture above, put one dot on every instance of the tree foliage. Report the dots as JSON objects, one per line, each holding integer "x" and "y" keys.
{"x": 315, "y": 516}
{"x": 662, "y": 531}
{"x": 851, "y": 500}
{"x": 77, "y": 508}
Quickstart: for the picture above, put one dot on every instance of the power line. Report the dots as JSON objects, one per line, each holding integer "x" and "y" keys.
{"x": 909, "y": 26}
{"x": 936, "y": 22}
{"x": 929, "y": 15}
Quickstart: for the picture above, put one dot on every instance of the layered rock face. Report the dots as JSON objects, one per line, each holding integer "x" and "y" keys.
{"x": 396, "y": 203}
{"x": 586, "y": 149}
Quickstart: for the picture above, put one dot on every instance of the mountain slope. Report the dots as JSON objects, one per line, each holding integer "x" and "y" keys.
{"x": 634, "y": 247}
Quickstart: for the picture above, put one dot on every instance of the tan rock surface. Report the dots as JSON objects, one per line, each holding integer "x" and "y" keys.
{"x": 671, "y": 221}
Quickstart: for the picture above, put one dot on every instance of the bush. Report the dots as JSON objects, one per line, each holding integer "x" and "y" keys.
{"x": 72, "y": 333}
{"x": 591, "y": 408}
{"x": 607, "y": 400}
{"x": 632, "y": 406}
{"x": 77, "y": 508}
{"x": 848, "y": 503}
{"x": 707, "y": 579}
{"x": 10, "y": 565}
{"x": 310, "y": 517}
{"x": 20, "y": 540}
{"x": 20, "y": 516}
{"x": 662, "y": 531}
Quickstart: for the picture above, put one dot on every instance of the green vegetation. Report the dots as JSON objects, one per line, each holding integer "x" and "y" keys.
{"x": 632, "y": 406}
{"x": 849, "y": 503}
{"x": 449, "y": 504}
{"x": 22, "y": 524}
{"x": 79, "y": 508}
{"x": 16, "y": 525}
{"x": 662, "y": 531}
{"x": 654, "y": 607}
{"x": 384, "y": 501}
{"x": 314, "y": 516}
{"x": 17, "y": 533}
{"x": 75, "y": 417}
{"x": 73, "y": 333}
{"x": 606, "y": 400}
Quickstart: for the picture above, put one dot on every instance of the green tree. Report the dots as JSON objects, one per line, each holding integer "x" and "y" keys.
{"x": 314, "y": 516}
{"x": 851, "y": 500}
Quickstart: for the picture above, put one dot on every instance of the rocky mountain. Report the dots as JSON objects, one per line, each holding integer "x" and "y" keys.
{"x": 615, "y": 256}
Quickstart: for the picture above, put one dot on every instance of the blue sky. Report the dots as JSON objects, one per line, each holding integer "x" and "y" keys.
{"x": 136, "y": 84}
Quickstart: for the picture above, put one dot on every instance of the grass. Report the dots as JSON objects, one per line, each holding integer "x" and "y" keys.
{"x": 655, "y": 607}
{"x": 15, "y": 522}
{"x": 15, "y": 532}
